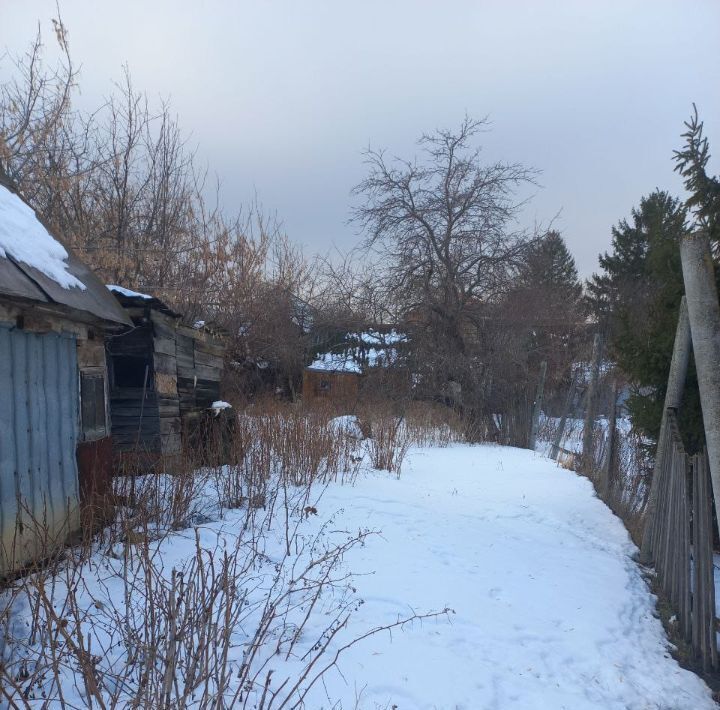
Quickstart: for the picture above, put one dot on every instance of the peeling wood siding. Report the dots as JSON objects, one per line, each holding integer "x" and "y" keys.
{"x": 199, "y": 369}
{"x": 39, "y": 496}
{"x": 164, "y": 329}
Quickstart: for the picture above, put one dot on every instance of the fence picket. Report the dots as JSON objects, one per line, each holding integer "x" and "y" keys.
{"x": 680, "y": 542}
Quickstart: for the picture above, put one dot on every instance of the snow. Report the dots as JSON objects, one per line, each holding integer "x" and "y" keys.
{"x": 349, "y": 424}
{"x": 127, "y": 292}
{"x": 376, "y": 351}
{"x": 219, "y": 404}
{"x": 24, "y": 239}
{"x": 334, "y": 362}
{"x": 549, "y": 610}
{"x": 374, "y": 337}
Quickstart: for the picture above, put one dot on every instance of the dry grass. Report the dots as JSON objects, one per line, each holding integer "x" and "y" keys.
{"x": 120, "y": 620}
{"x": 433, "y": 424}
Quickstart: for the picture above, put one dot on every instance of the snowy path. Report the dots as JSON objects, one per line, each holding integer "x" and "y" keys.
{"x": 550, "y": 610}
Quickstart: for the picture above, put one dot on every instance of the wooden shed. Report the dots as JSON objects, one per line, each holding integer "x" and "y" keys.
{"x": 332, "y": 378}
{"x": 162, "y": 376}
{"x": 338, "y": 375}
{"x": 55, "y": 451}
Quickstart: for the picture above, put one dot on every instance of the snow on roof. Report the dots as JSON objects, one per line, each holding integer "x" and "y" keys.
{"x": 128, "y": 293}
{"x": 374, "y": 337}
{"x": 334, "y": 362}
{"x": 24, "y": 239}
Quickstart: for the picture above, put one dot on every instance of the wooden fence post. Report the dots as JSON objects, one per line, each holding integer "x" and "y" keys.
{"x": 537, "y": 406}
{"x": 587, "y": 449}
{"x": 555, "y": 451}
{"x": 673, "y": 399}
{"x": 607, "y": 469}
{"x": 704, "y": 314}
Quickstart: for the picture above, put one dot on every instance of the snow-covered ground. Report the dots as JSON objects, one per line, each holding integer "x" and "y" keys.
{"x": 548, "y": 608}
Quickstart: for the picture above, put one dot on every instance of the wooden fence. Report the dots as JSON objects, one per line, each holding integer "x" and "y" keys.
{"x": 681, "y": 542}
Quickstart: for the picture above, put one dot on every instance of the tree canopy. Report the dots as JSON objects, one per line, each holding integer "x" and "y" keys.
{"x": 636, "y": 298}
{"x": 443, "y": 227}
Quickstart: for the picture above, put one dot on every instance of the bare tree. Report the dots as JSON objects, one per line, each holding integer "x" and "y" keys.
{"x": 444, "y": 226}
{"x": 34, "y": 107}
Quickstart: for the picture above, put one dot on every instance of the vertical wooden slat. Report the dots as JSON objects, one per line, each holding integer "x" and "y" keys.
{"x": 697, "y": 586}
{"x": 705, "y": 581}
{"x": 684, "y": 559}
{"x": 685, "y": 571}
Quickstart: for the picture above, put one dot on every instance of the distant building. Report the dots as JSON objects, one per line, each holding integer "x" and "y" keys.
{"x": 332, "y": 378}
{"x": 55, "y": 446}
{"x": 337, "y": 375}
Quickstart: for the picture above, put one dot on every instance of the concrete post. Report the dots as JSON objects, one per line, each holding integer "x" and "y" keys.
{"x": 587, "y": 450}
{"x": 537, "y": 406}
{"x": 704, "y": 314}
{"x": 673, "y": 400}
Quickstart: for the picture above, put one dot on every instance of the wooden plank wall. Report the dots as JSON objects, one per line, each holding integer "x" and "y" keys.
{"x": 166, "y": 385}
{"x": 134, "y": 412}
{"x": 200, "y": 365}
{"x": 339, "y": 388}
{"x": 703, "y": 617}
{"x": 186, "y": 367}
{"x": 681, "y": 543}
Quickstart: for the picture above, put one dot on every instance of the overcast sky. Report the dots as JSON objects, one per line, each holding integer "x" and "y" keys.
{"x": 281, "y": 97}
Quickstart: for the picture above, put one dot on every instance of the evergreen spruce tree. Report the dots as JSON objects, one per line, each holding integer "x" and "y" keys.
{"x": 548, "y": 298}
{"x": 636, "y": 299}
{"x": 691, "y": 162}
{"x": 549, "y": 268}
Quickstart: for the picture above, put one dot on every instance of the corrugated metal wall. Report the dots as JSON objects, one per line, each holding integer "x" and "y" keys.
{"x": 39, "y": 497}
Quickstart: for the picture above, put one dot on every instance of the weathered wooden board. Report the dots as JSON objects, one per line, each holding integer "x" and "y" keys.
{"x": 166, "y": 364}
{"x": 91, "y": 353}
{"x": 166, "y": 346}
{"x": 209, "y": 359}
{"x": 163, "y": 325}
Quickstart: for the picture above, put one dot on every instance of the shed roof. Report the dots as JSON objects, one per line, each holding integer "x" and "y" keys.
{"x": 35, "y": 264}
{"x": 335, "y": 362}
{"x": 129, "y": 299}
